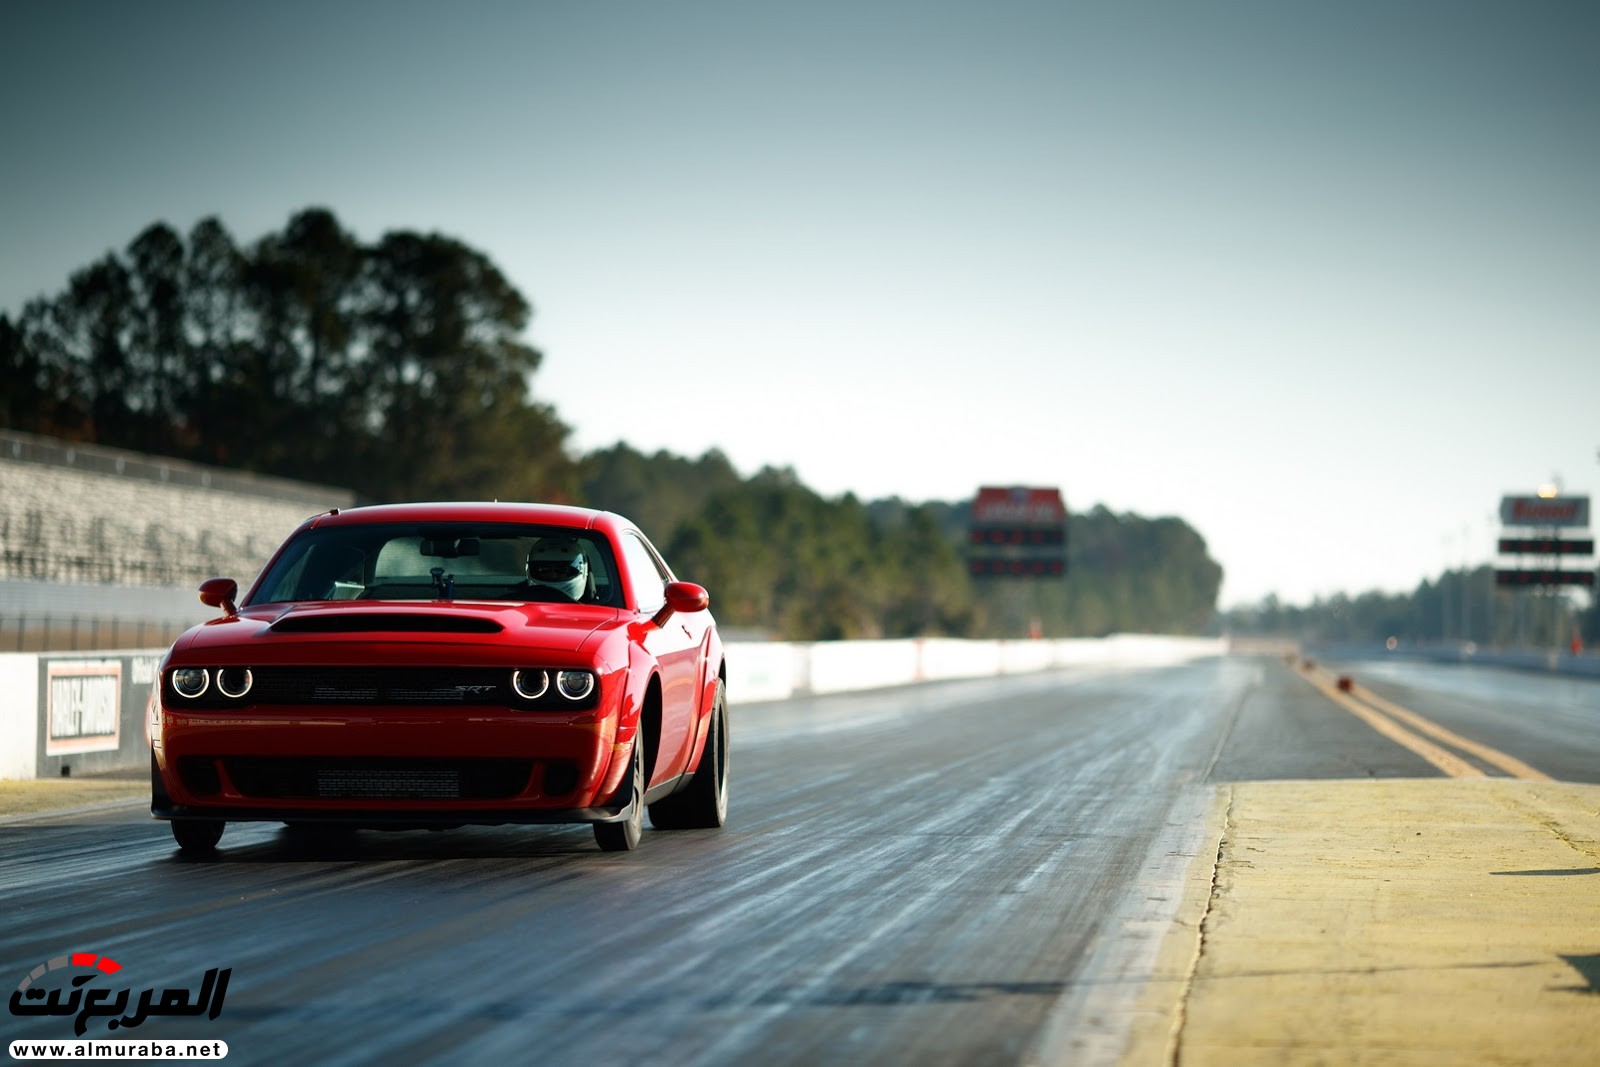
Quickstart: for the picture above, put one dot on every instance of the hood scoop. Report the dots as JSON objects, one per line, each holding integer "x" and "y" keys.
{"x": 376, "y": 622}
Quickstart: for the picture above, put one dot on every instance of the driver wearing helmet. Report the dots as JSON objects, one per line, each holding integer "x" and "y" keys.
{"x": 558, "y": 564}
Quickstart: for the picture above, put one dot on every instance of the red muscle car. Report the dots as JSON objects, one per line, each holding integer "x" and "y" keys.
{"x": 431, "y": 665}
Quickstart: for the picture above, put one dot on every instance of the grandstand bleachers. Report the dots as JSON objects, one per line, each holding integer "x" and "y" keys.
{"x": 108, "y": 537}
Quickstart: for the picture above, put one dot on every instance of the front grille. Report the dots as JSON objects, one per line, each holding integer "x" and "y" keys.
{"x": 345, "y": 782}
{"x": 378, "y": 779}
{"x": 474, "y": 686}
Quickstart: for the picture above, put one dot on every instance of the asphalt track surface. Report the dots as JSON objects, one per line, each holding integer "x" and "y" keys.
{"x": 980, "y": 872}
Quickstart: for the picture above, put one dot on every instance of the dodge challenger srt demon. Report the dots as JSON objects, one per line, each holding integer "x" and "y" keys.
{"x": 435, "y": 665}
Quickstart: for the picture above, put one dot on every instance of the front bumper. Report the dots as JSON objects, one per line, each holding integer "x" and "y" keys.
{"x": 387, "y": 766}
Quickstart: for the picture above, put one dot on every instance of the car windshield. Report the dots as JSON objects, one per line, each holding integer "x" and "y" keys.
{"x": 449, "y": 561}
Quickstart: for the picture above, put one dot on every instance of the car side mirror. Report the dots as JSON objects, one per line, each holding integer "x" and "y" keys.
{"x": 682, "y": 598}
{"x": 220, "y": 593}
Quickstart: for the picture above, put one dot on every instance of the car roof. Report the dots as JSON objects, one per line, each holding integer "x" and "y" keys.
{"x": 473, "y": 511}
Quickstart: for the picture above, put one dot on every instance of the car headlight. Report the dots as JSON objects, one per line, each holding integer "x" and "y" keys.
{"x": 191, "y": 682}
{"x": 530, "y": 685}
{"x": 574, "y": 685}
{"x": 234, "y": 682}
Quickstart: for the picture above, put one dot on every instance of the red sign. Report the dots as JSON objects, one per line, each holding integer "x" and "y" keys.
{"x": 1018, "y": 506}
{"x": 1544, "y": 511}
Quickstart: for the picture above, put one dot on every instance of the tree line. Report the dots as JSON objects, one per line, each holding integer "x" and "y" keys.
{"x": 1461, "y": 607}
{"x": 781, "y": 558}
{"x": 397, "y": 369}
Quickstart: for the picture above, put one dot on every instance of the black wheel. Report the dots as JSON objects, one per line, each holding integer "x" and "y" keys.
{"x": 624, "y": 836}
{"x": 197, "y": 835}
{"x": 704, "y": 805}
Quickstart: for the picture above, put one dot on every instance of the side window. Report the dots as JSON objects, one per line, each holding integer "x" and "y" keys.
{"x": 645, "y": 580}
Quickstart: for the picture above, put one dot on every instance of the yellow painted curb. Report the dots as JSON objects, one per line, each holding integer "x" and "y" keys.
{"x": 1448, "y": 921}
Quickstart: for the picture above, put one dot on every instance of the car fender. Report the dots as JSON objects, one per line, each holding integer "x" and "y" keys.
{"x": 631, "y": 670}
{"x": 711, "y": 666}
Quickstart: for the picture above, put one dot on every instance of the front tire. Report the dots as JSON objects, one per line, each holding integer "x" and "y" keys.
{"x": 624, "y": 836}
{"x": 197, "y": 836}
{"x": 704, "y": 805}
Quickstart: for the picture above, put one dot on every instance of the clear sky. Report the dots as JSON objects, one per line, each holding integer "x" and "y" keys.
{"x": 1322, "y": 279}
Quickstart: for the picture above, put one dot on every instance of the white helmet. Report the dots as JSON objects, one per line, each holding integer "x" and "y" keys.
{"x": 559, "y": 563}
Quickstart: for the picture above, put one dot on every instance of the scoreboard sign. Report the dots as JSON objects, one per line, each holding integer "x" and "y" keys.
{"x": 1543, "y": 577}
{"x": 1549, "y": 516}
{"x": 1544, "y": 511}
{"x": 1016, "y": 506}
{"x": 1545, "y": 546}
{"x": 1018, "y": 532}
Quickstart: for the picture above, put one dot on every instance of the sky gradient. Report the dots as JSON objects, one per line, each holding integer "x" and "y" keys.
{"x": 1321, "y": 279}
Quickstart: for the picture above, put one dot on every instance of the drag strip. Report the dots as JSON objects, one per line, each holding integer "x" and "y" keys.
{"x": 927, "y": 874}
{"x": 984, "y": 871}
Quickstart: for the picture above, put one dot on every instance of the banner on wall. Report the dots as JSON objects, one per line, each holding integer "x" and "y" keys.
{"x": 83, "y": 706}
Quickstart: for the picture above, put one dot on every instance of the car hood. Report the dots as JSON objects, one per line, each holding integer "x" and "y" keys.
{"x": 553, "y": 627}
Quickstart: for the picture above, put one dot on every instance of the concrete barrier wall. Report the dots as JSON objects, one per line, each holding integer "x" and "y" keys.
{"x": 84, "y": 713}
{"x": 779, "y": 670}
{"x": 64, "y": 714}
{"x": 19, "y": 716}
{"x": 837, "y": 666}
{"x": 946, "y": 657}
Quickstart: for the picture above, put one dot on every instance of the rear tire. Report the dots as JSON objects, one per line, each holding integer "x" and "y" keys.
{"x": 704, "y": 805}
{"x": 624, "y": 836}
{"x": 196, "y": 836}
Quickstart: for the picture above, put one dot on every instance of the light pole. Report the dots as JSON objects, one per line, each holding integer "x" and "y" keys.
{"x": 1444, "y": 591}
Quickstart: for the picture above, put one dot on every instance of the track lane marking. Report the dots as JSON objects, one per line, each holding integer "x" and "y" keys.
{"x": 1445, "y": 760}
{"x": 1510, "y": 764}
